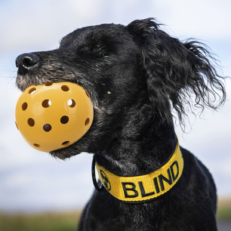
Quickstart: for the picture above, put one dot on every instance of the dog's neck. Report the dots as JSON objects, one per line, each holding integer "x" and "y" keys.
{"x": 145, "y": 143}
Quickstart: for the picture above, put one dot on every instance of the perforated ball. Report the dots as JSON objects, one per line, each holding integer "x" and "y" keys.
{"x": 53, "y": 115}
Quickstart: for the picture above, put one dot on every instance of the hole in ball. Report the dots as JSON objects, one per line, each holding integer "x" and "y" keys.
{"x": 48, "y": 84}
{"x": 64, "y": 119}
{"x": 46, "y": 103}
{"x": 65, "y": 88}
{"x": 24, "y": 106}
{"x": 87, "y": 94}
{"x": 66, "y": 143}
{"x": 37, "y": 145}
{"x": 31, "y": 122}
{"x": 87, "y": 121}
{"x": 32, "y": 90}
{"x": 47, "y": 127}
{"x": 71, "y": 103}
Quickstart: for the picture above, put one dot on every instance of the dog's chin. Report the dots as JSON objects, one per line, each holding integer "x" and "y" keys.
{"x": 61, "y": 154}
{"x": 65, "y": 153}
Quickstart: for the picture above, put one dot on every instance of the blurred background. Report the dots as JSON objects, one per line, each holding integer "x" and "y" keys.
{"x": 33, "y": 183}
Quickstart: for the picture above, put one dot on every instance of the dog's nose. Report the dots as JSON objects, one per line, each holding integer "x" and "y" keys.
{"x": 26, "y": 61}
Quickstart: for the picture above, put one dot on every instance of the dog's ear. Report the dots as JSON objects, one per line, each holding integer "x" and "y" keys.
{"x": 176, "y": 71}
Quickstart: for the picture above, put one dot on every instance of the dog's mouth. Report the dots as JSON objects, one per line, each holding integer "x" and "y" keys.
{"x": 25, "y": 81}
{"x": 47, "y": 74}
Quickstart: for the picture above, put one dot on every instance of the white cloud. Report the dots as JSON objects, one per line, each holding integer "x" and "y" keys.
{"x": 203, "y": 19}
{"x": 43, "y": 23}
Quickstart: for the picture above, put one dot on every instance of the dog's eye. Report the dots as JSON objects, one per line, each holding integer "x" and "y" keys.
{"x": 93, "y": 49}
{"x": 84, "y": 49}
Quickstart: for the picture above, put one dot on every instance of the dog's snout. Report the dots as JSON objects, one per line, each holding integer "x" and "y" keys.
{"x": 26, "y": 61}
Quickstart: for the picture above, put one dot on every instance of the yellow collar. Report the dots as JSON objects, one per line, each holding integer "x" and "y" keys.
{"x": 146, "y": 187}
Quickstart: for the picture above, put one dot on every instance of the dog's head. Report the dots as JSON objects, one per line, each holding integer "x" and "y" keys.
{"x": 133, "y": 73}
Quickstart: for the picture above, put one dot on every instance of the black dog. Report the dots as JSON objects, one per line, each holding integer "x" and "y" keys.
{"x": 136, "y": 75}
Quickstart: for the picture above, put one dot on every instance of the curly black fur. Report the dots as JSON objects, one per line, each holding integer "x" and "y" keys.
{"x": 176, "y": 70}
{"x": 136, "y": 75}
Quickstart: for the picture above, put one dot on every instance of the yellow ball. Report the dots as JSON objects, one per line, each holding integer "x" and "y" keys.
{"x": 53, "y": 115}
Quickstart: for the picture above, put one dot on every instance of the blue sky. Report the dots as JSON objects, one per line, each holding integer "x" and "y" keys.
{"x": 34, "y": 181}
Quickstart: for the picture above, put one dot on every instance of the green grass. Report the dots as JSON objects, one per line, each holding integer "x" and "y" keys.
{"x": 39, "y": 222}
{"x": 224, "y": 209}
{"x": 68, "y": 221}
{"x": 224, "y": 214}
